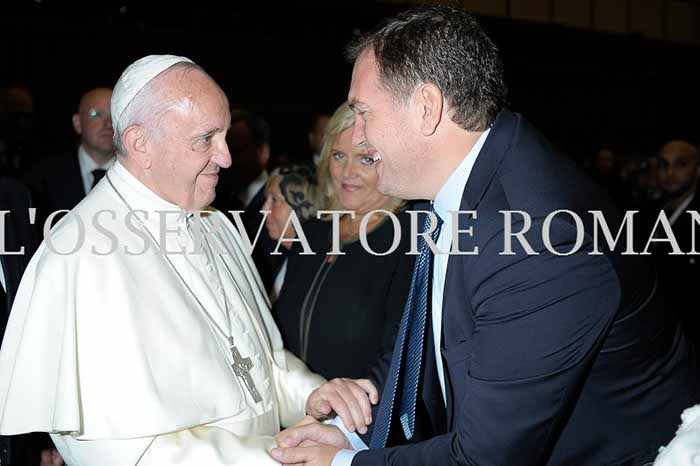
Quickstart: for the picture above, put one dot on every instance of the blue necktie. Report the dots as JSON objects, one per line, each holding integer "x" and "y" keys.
{"x": 411, "y": 339}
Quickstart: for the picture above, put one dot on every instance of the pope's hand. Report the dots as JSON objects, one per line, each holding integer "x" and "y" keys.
{"x": 310, "y": 456}
{"x": 312, "y": 434}
{"x": 350, "y": 399}
{"x": 306, "y": 443}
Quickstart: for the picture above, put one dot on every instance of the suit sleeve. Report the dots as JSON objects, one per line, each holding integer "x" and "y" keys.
{"x": 538, "y": 323}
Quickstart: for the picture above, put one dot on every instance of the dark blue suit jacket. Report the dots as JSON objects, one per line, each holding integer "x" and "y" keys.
{"x": 552, "y": 360}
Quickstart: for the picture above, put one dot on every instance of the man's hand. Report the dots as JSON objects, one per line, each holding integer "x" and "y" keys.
{"x": 312, "y": 434}
{"x": 309, "y": 443}
{"x": 350, "y": 399}
{"x": 306, "y": 443}
{"x": 306, "y": 420}
{"x": 310, "y": 456}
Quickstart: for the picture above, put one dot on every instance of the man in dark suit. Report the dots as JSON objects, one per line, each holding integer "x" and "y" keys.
{"x": 679, "y": 167}
{"x": 60, "y": 183}
{"x": 18, "y": 234}
{"x": 242, "y": 186}
{"x": 249, "y": 143}
{"x": 548, "y": 353}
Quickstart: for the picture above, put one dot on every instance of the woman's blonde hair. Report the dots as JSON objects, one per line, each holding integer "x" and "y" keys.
{"x": 342, "y": 119}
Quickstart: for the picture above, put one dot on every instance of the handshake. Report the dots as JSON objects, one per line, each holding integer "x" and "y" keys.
{"x": 313, "y": 443}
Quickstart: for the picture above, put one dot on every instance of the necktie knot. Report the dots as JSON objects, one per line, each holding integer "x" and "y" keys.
{"x": 98, "y": 174}
{"x": 433, "y": 224}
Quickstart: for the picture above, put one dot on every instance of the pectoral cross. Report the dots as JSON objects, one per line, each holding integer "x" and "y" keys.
{"x": 241, "y": 367}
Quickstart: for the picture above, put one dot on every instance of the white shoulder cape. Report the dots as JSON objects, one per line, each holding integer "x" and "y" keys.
{"x": 114, "y": 346}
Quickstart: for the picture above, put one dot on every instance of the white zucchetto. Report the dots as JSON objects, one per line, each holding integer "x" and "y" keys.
{"x": 135, "y": 77}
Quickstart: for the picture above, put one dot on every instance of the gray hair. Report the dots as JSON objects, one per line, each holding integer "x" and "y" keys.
{"x": 149, "y": 106}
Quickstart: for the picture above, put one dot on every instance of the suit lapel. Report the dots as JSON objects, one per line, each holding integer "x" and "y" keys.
{"x": 76, "y": 182}
{"x": 494, "y": 149}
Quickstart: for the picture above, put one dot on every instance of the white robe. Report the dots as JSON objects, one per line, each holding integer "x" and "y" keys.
{"x": 112, "y": 355}
{"x": 684, "y": 449}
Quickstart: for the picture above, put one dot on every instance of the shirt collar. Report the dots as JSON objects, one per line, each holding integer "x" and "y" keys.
{"x": 449, "y": 197}
{"x": 87, "y": 164}
{"x": 681, "y": 208}
{"x": 249, "y": 193}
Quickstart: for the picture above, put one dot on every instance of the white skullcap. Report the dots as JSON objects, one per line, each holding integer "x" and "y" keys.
{"x": 135, "y": 77}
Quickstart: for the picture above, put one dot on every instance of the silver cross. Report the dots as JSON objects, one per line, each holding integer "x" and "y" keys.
{"x": 241, "y": 367}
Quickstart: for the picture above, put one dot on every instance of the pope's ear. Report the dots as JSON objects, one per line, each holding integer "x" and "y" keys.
{"x": 136, "y": 146}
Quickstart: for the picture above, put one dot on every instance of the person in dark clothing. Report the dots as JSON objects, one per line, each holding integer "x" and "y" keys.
{"x": 61, "y": 182}
{"x": 679, "y": 274}
{"x": 548, "y": 353}
{"x": 336, "y": 311}
{"x": 291, "y": 188}
{"x": 241, "y": 184}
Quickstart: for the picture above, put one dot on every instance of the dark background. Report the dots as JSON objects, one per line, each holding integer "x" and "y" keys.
{"x": 583, "y": 89}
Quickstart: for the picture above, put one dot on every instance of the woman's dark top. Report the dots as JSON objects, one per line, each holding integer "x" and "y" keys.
{"x": 338, "y": 316}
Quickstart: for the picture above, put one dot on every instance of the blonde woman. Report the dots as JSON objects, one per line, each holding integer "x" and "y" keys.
{"x": 336, "y": 311}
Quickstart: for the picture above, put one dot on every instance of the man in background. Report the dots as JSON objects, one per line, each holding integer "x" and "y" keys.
{"x": 316, "y": 132}
{"x": 60, "y": 183}
{"x": 678, "y": 169}
{"x": 249, "y": 143}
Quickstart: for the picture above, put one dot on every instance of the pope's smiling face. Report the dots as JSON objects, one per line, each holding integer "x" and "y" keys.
{"x": 188, "y": 146}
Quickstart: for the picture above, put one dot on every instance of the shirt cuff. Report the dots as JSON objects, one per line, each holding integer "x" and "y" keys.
{"x": 343, "y": 458}
{"x": 353, "y": 438}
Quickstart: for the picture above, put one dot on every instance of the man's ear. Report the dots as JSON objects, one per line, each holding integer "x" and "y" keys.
{"x": 430, "y": 102}
{"x": 76, "y": 124}
{"x": 135, "y": 144}
{"x": 264, "y": 155}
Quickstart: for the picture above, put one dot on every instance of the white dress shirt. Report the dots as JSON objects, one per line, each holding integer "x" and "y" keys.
{"x": 87, "y": 166}
{"x": 447, "y": 200}
{"x": 277, "y": 284}
{"x": 2, "y": 278}
{"x": 246, "y": 197}
{"x": 680, "y": 209}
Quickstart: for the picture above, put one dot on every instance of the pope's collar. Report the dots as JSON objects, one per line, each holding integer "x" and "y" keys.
{"x": 140, "y": 197}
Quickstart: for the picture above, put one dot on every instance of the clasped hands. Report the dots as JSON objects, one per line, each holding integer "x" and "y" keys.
{"x": 312, "y": 443}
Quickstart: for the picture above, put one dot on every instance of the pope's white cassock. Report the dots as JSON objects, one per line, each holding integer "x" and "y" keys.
{"x": 113, "y": 356}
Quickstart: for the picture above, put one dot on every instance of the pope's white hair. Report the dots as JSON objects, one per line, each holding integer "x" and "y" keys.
{"x": 149, "y": 106}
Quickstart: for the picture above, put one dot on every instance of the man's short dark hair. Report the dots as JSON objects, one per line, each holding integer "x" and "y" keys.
{"x": 315, "y": 116}
{"x": 257, "y": 125}
{"x": 445, "y": 46}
